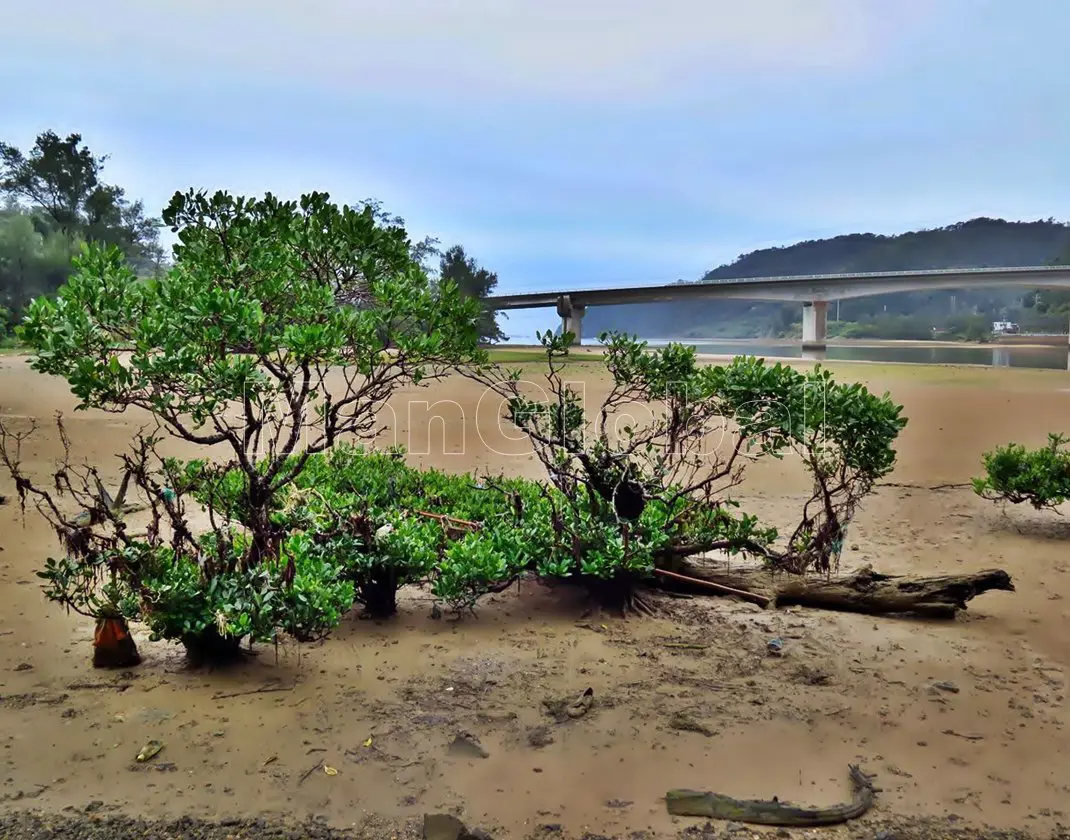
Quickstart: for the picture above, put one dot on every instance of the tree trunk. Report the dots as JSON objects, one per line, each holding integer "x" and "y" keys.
{"x": 378, "y": 591}
{"x": 113, "y": 646}
{"x": 209, "y": 647}
{"x": 863, "y": 591}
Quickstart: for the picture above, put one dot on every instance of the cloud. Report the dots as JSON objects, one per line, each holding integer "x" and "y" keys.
{"x": 554, "y": 49}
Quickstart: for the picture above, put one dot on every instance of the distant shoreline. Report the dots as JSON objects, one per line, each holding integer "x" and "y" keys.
{"x": 1037, "y": 342}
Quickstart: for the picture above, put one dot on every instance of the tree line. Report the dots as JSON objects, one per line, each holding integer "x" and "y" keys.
{"x": 54, "y": 198}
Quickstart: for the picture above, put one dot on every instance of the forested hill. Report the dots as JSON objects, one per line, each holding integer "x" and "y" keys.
{"x": 977, "y": 243}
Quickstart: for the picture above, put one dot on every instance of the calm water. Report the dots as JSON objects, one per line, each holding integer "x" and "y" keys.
{"x": 1000, "y": 356}
{"x": 1004, "y": 355}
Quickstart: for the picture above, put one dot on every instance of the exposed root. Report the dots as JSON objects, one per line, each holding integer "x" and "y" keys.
{"x": 636, "y": 603}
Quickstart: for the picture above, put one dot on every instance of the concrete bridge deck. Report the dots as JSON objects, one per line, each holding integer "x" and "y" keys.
{"x": 813, "y": 291}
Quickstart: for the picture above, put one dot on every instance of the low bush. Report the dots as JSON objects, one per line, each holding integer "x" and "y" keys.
{"x": 389, "y": 524}
{"x": 1015, "y": 474}
{"x": 303, "y": 593}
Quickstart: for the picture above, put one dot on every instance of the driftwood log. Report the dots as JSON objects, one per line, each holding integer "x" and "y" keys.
{"x": 693, "y": 803}
{"x": 862, "y": 591}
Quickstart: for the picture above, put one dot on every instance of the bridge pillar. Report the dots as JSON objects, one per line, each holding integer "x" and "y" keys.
{"x": 571, "y": 316}
{"x": 815, "y": 324}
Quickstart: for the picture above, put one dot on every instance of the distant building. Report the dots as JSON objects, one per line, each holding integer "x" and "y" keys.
{"x": 1005, "y": 328}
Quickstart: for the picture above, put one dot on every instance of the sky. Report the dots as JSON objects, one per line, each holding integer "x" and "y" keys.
{"x": 568, "y": 143}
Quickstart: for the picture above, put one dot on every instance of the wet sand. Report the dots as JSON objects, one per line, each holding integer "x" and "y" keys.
{"x": 381, "y": 702}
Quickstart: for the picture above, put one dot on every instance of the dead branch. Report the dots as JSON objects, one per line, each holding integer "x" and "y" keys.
{"x": 267, "y": 689}
{"x": 761, "y": 600}
{"x": 452, "y": 521}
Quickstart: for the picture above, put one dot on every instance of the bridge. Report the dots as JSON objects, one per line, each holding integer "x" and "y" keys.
{"x": 813, "y": 291}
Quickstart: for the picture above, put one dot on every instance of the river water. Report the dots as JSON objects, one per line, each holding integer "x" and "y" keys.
{"x": 1057, "y": 358}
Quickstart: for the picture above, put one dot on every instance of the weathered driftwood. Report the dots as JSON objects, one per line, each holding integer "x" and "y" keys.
{"x": 863, "y": 591}
{"x": 693, "y": 803}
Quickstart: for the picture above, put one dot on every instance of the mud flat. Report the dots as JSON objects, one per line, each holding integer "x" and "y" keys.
{"x": 964, "y": 722}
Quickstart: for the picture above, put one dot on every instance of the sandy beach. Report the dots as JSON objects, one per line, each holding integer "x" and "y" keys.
{"x": 963, "y": 722}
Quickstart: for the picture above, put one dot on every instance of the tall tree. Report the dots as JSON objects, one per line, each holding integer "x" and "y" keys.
{"x": 60, "y": 178}
{"x": 455, "y": 265}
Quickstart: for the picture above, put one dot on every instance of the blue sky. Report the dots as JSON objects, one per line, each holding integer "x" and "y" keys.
{"x": 569, "y": 142}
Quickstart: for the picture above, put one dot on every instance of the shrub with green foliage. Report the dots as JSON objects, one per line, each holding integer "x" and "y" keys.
{"x": 383, "y": 520}
{"x": 843, "y": 435}
{"x": 210, "y": 616}
{"x": 1016, "y": 474}
{"x": 90, "y": 585}
{"x": 387, "y": 524}
{"x": 345, "y": 502}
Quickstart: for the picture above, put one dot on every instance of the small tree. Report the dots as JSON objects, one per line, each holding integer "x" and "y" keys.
{"x": 639, "y": 496}
{"x": 844, "y": 436}
{"x": 86, "y": 580}
{"x": 280, "y": 329}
